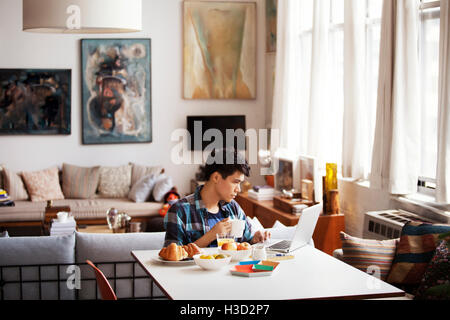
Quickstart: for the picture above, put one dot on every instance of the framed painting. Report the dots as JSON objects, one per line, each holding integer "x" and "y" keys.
{"x": 271, "y": 25}
{"x": 219, "y": 50}
{"x": 116, "y": 91}
{"x": 35, "y": 101}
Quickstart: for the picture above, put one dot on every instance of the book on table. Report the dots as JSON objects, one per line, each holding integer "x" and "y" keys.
{"x": 255, "y": 195}
{"x": 264, "y": 189}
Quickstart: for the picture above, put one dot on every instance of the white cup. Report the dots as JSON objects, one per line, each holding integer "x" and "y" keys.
{"x": 62, "y": 216}
{"x": 259, "y": 252}
{"x": 237, "y": 228}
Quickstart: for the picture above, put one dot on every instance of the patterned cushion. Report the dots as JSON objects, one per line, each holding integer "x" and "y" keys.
{"x": 13, "y": 184}
{"x": 43, "y": 185}
{"x": 79, "y": 182}
{"x": 115, "y": 181}
{"x": 365, "y": 254}
{"x": 418, "y": 241}
{"x": 437, "y": 274}
{"x": 138, "y": 172}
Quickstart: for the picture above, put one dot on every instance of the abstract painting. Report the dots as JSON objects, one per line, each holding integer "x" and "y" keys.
{"x": 116, "y": 90}
{"x": 219, "y": 50}
{"x": 271, "y": 25}
{"x": 35, "y": 101}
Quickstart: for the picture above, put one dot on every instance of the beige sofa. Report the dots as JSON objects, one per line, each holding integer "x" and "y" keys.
{"x": 87, "y": 211}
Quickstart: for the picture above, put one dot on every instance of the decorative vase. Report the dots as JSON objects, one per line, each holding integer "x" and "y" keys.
{"x": 111, "y": 217}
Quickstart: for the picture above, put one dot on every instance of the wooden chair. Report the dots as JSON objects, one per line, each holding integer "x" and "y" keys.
{"x": 106, "y": 291}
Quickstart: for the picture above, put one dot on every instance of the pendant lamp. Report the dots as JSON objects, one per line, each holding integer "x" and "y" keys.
{"x": 82, "y": 16}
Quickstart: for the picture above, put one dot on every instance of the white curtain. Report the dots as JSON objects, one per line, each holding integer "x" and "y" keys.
{"x": 396, "y": 155}
{"x": 443, "y": 170}
{"x": 356, "y": 120}
{"x": 319, "y": 88}
{"x": 285, "y": 108}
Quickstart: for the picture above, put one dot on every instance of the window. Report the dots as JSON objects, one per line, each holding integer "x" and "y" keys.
{"x": 335, "y": 69}
{"x": 429, "y": 67}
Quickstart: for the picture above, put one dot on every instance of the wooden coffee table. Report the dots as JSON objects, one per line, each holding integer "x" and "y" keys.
{"x": 94, "y": 229}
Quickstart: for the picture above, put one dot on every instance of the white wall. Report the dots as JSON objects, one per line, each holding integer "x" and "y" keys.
{"x": 162, "y": 22}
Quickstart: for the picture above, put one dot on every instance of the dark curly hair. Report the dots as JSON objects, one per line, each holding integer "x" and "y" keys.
{"x": 226, "y": 162}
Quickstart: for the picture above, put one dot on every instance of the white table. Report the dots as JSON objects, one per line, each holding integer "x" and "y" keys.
{"x": 311, "y": 275}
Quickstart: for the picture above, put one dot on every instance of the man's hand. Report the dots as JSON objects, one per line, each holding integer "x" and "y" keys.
{"x": 223, "y": 226}
{"x": 261, "y": 236}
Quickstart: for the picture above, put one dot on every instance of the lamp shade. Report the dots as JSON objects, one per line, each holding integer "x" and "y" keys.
{"x": 82, "y": 16}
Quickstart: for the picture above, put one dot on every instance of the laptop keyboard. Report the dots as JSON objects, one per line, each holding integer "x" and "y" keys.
{"x": 282, "y": 245}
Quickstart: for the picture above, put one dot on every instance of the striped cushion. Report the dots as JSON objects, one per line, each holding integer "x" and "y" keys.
{"x": 365, "y": 254}
{"x": 418, "y": 241}
{"x": 79, "y": 182}
{"x": 13, "y": 184}
{"x": 139, "y": 171}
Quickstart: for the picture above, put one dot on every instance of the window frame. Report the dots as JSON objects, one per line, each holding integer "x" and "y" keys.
{"x": 427, "y": 185}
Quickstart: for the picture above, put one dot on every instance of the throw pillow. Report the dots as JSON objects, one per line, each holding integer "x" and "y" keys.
{"x": 437, "y": 275}
{"x": 364, "y": 254}
{"x": 13, "y": 184}
{"x": 163, "y": 185}
{"x": 79, "y": 182}
{"x": 418, "y": 241}
{"x": 139, "y": 171}
{"x": 115, "y": 181}
{"x": 43, "y": 185}
{"x": 142, "y": 189}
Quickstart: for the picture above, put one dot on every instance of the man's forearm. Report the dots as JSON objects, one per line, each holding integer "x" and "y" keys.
{"x": 205, "y": 241}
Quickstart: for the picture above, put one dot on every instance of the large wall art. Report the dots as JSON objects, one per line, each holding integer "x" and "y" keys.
{"x": 35, "y": 101}
{"x": 219, "y": 50}
{"x": 116, "y": 90}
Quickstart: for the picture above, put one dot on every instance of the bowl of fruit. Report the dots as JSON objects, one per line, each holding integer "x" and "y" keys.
{"x": 237, "y": 251}
{"x": 212, "y": 261}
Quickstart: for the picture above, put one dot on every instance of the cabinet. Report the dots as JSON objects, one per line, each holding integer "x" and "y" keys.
{"x": 326, "y": 235}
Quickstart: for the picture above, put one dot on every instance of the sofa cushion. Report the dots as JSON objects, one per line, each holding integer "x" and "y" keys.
{"x": 13, "y": 184}
{"x": 364, "y": 254}
{"x": 163, "y": 185}
{"x": 79, "y": 182}
{"x": 30, "y": 251}
{"x": 43, "y": 185}
{"x": 436, "y": 274}
{"x": 140, "y": 171}
{"x": 80, "y": 208}
{"x": 141, "y": 190}
{"x": 37, "y": 250}
{"x": 418, "y": 242}
{"x": 117, "y": 248}
{"x": 115, "y": 181}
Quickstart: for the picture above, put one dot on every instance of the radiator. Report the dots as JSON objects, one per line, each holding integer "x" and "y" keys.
{"x": 388, "y": 224}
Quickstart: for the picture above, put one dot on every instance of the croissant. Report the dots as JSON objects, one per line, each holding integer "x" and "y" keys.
{"x": 173, "y": 253}
{"x": 192, "y": 249}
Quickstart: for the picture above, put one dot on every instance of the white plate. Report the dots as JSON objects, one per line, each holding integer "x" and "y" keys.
{"x": 176, "y": 263}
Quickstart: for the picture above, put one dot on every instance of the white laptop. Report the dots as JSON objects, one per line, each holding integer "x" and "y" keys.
{"x": 303, "y": 232}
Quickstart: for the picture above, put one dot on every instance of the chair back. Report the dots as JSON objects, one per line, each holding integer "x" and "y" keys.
{"x": 106, "y": 291}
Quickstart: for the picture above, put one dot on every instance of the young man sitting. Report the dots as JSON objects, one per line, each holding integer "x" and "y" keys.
{"x": 199, "y": 217}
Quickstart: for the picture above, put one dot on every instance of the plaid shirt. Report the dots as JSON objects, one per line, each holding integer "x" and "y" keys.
{"x": 186, "y": 221}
